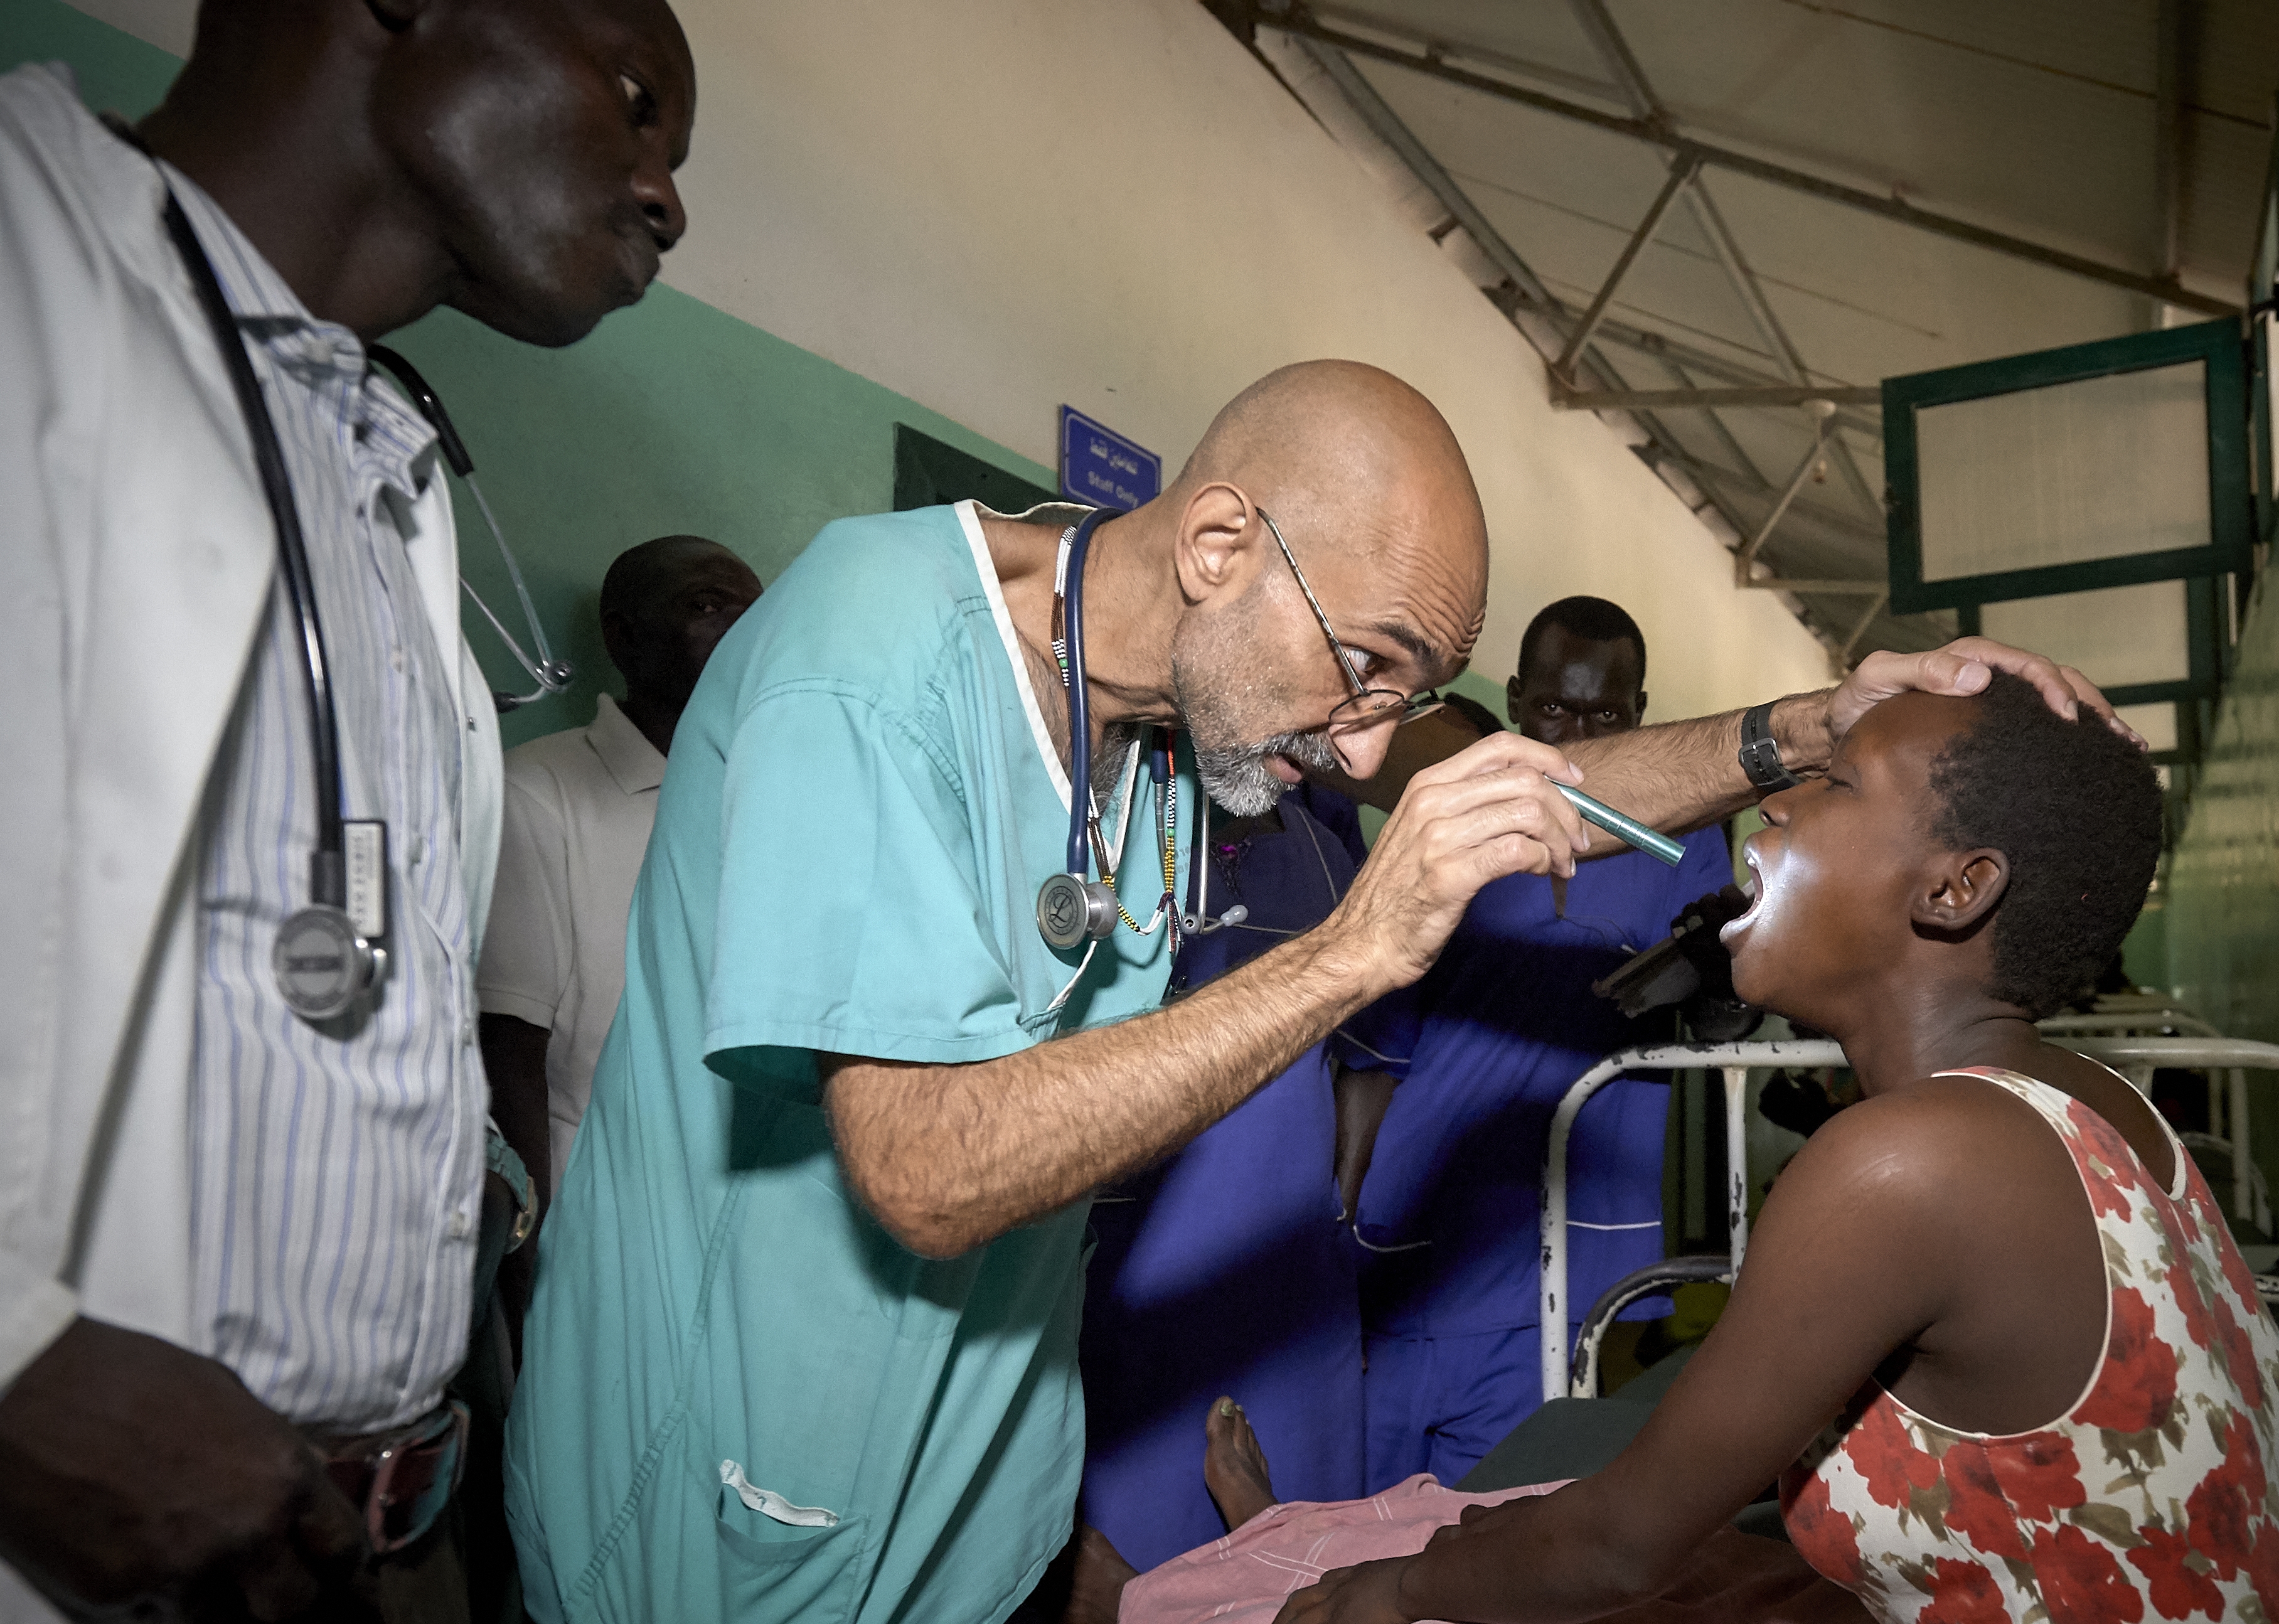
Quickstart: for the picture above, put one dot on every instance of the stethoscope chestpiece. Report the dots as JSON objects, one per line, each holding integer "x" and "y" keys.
{"x": 1071, "y": 911}
{"x": 324, "y": 964}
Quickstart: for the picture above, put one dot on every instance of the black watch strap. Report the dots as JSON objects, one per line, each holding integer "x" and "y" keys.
{"x": 1760, "y": 755}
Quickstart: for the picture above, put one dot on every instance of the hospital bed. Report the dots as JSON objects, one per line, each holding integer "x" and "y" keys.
{"x": 2133, "y": 1041}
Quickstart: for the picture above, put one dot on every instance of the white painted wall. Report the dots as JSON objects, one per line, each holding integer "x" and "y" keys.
{"x": 995, "y": 206}
{"x": 999, "y": 205}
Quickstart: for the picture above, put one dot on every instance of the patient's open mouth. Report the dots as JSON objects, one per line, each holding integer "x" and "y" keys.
{"x": 1754, "y": 890}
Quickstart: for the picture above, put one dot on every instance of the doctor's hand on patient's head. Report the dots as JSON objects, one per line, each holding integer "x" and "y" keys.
{"x": 1960, "y": 669}
{"x": 1485, "y": 812}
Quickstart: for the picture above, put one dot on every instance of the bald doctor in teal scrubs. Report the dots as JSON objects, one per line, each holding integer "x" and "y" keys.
{"x": 804, "y": 1343}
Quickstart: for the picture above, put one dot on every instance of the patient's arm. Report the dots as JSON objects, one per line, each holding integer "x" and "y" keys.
{"x": 1851, "y": 1262}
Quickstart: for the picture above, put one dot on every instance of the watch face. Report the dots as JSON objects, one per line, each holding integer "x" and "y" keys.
{"x": 322, "y": 964}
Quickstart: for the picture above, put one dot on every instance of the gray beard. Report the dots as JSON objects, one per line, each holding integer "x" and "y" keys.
{"x": 1237, "y": 776}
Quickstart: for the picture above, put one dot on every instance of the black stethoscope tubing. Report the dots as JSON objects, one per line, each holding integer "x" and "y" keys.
{"x": 1079, "y": 705}
{"x": 328, "y": 878}
{"x": 1161, "y": 765}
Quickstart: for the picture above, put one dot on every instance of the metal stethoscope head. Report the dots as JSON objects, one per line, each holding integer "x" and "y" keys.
{"x": 551, "y": 675}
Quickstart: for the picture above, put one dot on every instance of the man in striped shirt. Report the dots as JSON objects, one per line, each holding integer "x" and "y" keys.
{"x": 236, "y": 1246}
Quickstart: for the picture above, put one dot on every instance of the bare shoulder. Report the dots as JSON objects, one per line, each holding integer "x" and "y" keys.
{"x": 1930, "y": 1155}
{"x": 1926, "y": 1136}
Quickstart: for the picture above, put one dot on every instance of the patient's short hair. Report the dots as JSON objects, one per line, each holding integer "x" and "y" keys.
{"x": 2076, "y": 809}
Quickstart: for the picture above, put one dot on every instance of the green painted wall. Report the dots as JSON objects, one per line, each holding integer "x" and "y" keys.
{"x": 671, "y": 416}
{"x": 116, "y": 71}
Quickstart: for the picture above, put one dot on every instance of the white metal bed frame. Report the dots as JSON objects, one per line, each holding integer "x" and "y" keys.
{"x": 2207, "y": 1052}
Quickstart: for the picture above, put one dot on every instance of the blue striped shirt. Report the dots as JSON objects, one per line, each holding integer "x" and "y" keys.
{"x": 336, "y": 1172}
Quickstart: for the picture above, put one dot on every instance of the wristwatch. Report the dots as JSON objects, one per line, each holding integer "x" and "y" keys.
{"x": 1760, "y": 755}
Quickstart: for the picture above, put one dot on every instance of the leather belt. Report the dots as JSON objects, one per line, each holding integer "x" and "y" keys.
{"x": 401, "y": 1480}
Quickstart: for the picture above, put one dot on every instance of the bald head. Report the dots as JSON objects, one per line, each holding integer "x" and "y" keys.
{"x": 1370, "y": 492}
{"x": 1357, "y": 460}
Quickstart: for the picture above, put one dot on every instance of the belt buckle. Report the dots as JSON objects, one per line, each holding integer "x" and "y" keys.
{"x": 396, "y": 1512}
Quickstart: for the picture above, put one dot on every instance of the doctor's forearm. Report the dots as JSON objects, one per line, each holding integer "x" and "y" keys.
{"x": 950, "y": 1157}
{"x": 1678, "y": 776}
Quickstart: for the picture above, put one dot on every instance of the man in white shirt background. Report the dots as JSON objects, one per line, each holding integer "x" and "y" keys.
{"x": 578, "y": 810}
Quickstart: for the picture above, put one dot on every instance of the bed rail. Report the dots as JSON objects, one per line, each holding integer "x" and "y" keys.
{"x": 2235, "y": 1056}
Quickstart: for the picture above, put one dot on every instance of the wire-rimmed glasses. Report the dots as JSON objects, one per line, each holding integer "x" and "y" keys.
{"x": 1364, "y": 707}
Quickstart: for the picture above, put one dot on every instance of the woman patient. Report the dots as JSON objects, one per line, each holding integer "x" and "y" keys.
{"x": 1993, "y": 1336}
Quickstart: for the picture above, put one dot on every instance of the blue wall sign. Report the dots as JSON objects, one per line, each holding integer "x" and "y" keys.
{"x": 1101, "y": 469}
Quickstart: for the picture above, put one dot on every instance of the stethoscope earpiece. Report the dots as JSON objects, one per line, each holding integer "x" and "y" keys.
{"x": 1196, "y": 924}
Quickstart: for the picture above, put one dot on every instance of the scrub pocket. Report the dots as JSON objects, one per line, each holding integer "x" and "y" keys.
{"x": 776, "y": 1570}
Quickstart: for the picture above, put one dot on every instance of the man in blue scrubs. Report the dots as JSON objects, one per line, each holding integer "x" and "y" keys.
{"x": 1449, "y": 1212}
{"x": 803, "y": 1339}
{"x": 1226, "y": 1269}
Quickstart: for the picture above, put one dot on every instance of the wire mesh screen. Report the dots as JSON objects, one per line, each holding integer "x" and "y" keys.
{"x": 2068, "y": 473}
{"x": 2118, "y": 637}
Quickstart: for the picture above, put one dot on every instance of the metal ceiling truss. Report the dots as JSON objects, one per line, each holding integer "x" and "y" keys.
{"x": 1614, "y": 54}
{"x": 1598, "y": 26}
{"x": 1709, "y": 399}
{"x": 1750, "y": 485}
{"x": 1745, "y": 555}
{"x": 1525, "y": 285}
{"x": 1583, "y": 336}
{"x": 1681, "y": 176}
{"x": 1684, "y": 358}
{"x": 1431, "y": 60}
{"x": 2168, "y": 135}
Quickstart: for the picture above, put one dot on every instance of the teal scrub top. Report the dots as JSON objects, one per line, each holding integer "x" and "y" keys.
{"x": 860, "y": 804}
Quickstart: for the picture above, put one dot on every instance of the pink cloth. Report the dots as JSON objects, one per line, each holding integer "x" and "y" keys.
{"x": 1244, "y": 1578}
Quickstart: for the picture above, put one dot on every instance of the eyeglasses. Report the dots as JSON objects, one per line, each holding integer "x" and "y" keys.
{"x": 1364, "y": 707}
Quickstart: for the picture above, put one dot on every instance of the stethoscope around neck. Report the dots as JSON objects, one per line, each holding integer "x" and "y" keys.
{"x": 552, "y": 675}
{"x": 1074, "y": 909}
{"x": 333, "y": 951}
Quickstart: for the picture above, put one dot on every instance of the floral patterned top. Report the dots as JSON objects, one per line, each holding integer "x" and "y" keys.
{"x": 2152, "y": 1497}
